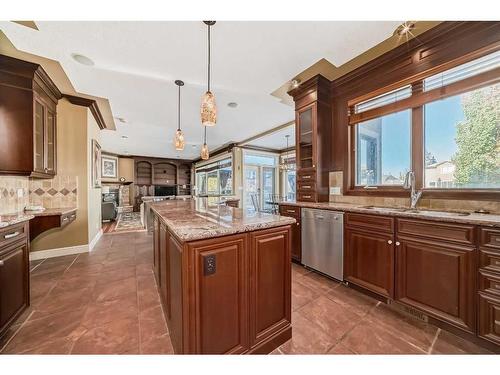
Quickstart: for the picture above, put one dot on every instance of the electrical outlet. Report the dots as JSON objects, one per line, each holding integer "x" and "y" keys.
{"x": 20, "y": 193}
{"x": 334, "y": 190}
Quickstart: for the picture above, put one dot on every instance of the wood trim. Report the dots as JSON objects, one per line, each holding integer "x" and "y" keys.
{"x": 90, "y": 104}
{"x": 419, "y": 99}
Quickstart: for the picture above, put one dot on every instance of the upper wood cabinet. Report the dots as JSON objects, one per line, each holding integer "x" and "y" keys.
{"x": 313, "y": 138}
{"x": 27, "y": 119}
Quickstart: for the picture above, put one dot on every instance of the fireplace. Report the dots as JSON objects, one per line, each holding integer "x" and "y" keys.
{"x": 165, "y": 190}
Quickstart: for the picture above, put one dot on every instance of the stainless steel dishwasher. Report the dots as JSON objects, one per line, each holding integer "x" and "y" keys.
{"x": 323, "y": 241}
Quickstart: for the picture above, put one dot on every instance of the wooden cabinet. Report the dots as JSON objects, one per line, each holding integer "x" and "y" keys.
{"x": 489, "y": 285}
{"x": 369, "y": 260}
{"x": 228, "y": 294}
{"x": 14, "y": 274}
{"x": 313, "y": 139}
{"x": 29, "y": 99}
{"x": 295, "y": 231}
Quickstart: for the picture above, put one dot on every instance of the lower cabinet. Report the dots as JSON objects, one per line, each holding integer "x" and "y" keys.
{"x": 489, "y": 318}
{"x": 14, "y": 277}
{"x": 295, "y": 231}
{"x": 437, "y": 277}
{"x": 369, "y": 260}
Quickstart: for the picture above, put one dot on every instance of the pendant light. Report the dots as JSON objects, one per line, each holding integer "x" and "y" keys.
{"x": 204, "y": 149}
{"x": 285, "y": 165}
{"x": 179, "y": 135}
{"x": 208, "y": 106}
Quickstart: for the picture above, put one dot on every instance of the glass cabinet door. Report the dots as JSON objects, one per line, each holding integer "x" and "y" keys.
{"x": 39, "y": 137}
{"x": 305, "y": 138}
{"x": 51, "y": 143}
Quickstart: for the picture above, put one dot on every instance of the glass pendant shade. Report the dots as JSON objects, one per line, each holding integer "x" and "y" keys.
{"x": 179, "y": 140}
{"x": 208, "y": 109}
{"x": 204, "y": 152}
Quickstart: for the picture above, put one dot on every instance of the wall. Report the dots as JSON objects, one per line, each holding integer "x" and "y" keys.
{"x": 94, "y": 194}
{"x": 126, "y": 170}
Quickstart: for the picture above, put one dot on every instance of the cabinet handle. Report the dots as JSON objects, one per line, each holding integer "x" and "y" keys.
{"x": 290, "y": 211}
{"x": 1, "y": 263}
{"x": 11, "y": 235}
{"x": 306, "y": 177}
{"x": 66, "y": 218}
{"x": 307, "y": 196}
{"x": 314, "y": 166}
{"x": 397, "y": 243}
{"x": 389, "y": 242}
{"x": 298, "y": 224}
{"x": 306, "y": 186}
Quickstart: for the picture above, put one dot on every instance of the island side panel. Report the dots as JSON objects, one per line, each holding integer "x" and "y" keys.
{"x": 270, "y": 288}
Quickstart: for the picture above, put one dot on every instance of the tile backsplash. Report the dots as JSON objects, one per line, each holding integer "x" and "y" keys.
{"x": 61, "y": 191}
{"x": 336, "y": 180}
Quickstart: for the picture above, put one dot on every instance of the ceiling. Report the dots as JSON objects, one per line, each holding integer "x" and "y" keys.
{"x": 137, "y": 62}
{"x": 275, "y": 140}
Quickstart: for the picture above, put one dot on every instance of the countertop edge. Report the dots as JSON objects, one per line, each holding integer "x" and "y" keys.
{"x": 345, "y": 207}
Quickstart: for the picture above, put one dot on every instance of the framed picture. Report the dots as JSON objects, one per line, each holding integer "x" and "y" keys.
{"x": 109, "y": 166}
{"x": 96, "y": 163}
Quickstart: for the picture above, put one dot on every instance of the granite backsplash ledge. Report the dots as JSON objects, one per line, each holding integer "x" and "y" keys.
{"x": 336, "y": 181}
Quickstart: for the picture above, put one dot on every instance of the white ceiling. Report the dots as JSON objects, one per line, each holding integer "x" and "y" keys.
{"x": 137, "y": 62}
{"x": 275, "y": 140}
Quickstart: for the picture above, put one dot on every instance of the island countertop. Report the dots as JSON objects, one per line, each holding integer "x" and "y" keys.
{"x": 196, "y": 219}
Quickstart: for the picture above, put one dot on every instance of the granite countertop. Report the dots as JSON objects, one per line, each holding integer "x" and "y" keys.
{"x": 11, "y": 219}
{"x": 492, "y": 220}
{"x": 52, "y": 211}
{"x": 196, "y": 219}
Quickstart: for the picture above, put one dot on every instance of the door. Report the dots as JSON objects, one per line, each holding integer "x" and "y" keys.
{"x": 437, "y": 278}
{"x": 252, "y": 186}
{"x": 268, "y": 188}
{"x": 260, "y": 182}
{"x": 14, "y": 283}
{"x": 39, "y": 135}
{"x": 50, "y": 144}
{"x": 369, "y": 261}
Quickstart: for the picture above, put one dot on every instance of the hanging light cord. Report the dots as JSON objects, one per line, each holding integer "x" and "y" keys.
{"x": 208, "y": 57}
{"x": 179, "y": 110}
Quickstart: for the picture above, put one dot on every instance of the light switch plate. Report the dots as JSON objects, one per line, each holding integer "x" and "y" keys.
{"x": 334, "y": 190}
{"x": 20, "y": 193}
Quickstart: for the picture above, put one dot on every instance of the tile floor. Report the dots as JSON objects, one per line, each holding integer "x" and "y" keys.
{"x": 106, "y": 302}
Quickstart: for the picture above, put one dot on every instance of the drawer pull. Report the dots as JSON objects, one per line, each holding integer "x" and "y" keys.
{"x": 497, "y": 239}
{"x": 1, "y": 263}
{"x": 306, "y": 186}
{"x": 307, "y": 196}
{"x": 497, "y": 262}
{"x": 66, "y": 218}
{"x": 11, "y": 235}
{"x": 306, "y": 177}
{"x": 73, "y": 216}
{"x": 389, "y": 242}
{"x": 398, "y": 243}
{"x": 290, "y": 211}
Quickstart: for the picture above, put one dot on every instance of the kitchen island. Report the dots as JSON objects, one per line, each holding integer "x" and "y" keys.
{"x": 224, "y": 277}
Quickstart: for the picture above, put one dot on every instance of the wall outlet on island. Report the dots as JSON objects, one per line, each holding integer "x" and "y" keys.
{"x": 20, "y": 193}
{"x": 335, "y": 190}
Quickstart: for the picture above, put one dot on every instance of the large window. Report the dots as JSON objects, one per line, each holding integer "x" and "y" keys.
{"x": 445, "y": 127}
{"x": 215, "y": 179}
{"x": 383, "y": 149}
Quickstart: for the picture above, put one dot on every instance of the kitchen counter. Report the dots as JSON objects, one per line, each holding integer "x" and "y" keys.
{"x": 492, "y": 220}
{"x": 52, "y": 211}
{"x": 11, "y": 219}
{"x": 196, "y": 219}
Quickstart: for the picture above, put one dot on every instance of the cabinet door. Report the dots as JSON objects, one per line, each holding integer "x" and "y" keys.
{"x": 437, "y": 278}
{"x": 270, "y": 275}
{"x": 221, "y": 295}
{"x": 489, "y": 318}
{"x": 156, "y": 249}
{"x": 50, "y": 143}
{"x": 39, "y": 138}
{"x": 296, "y": 241}
{"x": 369, "y": 261}
{"x": 306, "y": 136}
{"x": 164, "y": 265}
{"x": 14, "y": 284}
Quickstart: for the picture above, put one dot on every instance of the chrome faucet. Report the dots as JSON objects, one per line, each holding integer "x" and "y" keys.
{"x": 409, "y": 183}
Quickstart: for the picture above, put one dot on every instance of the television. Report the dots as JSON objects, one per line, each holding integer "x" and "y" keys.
{"x": 162, "y": 191}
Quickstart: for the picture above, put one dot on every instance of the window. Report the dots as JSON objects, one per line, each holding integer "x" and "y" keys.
{"x": 215, "y": 179}
{"x": 462, "y": 142}
{"x": 445, "y": 127}
{"x": 383, "y": 149}
{"x": 289, "y": 180}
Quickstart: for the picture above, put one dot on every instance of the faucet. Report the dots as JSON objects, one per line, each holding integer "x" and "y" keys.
{"x": 409, "y": 183}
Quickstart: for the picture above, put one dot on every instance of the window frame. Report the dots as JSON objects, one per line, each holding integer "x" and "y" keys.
{"x": 416, "y": 103}
{"x": 216, "y": 161}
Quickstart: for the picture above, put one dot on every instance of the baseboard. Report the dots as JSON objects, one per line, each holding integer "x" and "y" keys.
{"x": 95, "y": 239}
{"x": 52, "y": 253}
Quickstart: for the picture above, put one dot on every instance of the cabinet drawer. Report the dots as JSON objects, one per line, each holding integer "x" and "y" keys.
{"x": 489, "y": 282}
{"x": 68, "y": 218}
{"x": 463, "y": 234}
{"x": 306, "y": 186}
{"x": 293, "y": 211}
{"x": 306, "y": 197}
{"x": 489, "y": 260}
{"x": 12, "y": 234}
{"x": 489, "y": 237}
{"x": 370, "y": 222}
{"x": 306, "y": 175}
{"x": 489, "y": 318}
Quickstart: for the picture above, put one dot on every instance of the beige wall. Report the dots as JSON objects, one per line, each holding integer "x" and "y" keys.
{"x": 94, "y": 194}
{"x": 126, "y": 169}
{"x": 71, "y": 160}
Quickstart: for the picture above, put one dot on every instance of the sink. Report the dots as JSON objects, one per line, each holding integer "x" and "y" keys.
{"x": 417, "y": 211}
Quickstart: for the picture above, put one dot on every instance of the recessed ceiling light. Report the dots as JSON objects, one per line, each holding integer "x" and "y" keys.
{"x": 405, "y": 28}
{"x": 232, "y": 104}
{"x": 84, "y": 60}
{"x": 295, "y": 83}
{"x": 124, "y": 136}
